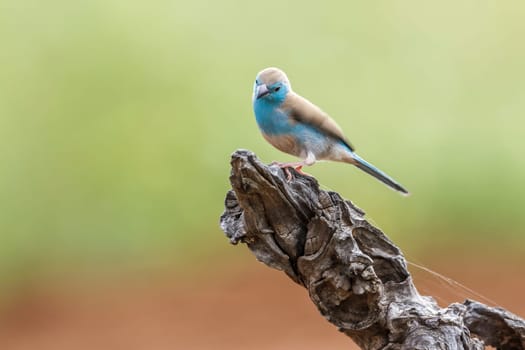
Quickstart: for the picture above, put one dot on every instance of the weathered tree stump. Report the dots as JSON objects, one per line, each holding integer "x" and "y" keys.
{"x": 355, "y": 275}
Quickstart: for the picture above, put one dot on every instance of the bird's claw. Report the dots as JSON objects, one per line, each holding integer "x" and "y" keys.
{"x": 286, "y": 168}
{"x": 289, "y": 175}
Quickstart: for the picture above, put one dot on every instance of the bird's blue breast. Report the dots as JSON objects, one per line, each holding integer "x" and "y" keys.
{"x": 271, "y": 119}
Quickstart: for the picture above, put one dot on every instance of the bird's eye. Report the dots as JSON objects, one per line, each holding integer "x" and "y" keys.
{"x": 277, "y": 89}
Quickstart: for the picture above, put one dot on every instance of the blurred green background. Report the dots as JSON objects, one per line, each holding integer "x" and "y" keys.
{"x": 117, "y": 120}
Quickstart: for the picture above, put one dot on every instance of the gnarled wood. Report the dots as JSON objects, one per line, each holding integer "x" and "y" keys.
{"x": 355, "y": 275}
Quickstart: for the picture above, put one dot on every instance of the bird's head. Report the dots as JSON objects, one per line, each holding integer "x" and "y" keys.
{"x": 271, "y": 84}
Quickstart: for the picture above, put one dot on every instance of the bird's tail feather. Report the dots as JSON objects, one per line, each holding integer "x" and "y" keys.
{"x": 378, "y": 174}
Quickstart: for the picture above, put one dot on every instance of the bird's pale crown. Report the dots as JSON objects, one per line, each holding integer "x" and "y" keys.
{"x": 272, "y": 75}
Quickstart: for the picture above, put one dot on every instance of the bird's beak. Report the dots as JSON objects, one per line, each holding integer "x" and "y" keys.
{"x": 262, "y": 90}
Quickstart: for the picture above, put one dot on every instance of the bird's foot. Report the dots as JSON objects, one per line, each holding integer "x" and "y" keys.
{"x": 289, "y": 175}
{"x": 298, "y": 166}
{"x": 300, "y": 171}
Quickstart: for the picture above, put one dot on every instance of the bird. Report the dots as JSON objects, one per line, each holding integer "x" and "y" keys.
{"x": 296, "y": 126}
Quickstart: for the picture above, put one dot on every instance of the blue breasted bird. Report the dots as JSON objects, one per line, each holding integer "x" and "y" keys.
{"x": 296, "y": 126}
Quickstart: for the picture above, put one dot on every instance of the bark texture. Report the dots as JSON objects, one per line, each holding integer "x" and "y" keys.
{"x": 354, "y": 274}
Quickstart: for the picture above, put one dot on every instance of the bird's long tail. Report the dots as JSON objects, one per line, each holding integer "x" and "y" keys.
{"x": 378, "y": 174}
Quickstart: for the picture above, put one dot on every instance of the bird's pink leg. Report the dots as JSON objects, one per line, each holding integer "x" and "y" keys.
{"x": 298, "y": 166}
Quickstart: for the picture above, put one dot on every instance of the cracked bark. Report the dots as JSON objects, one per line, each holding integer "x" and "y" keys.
{"x": 354, "y": 274}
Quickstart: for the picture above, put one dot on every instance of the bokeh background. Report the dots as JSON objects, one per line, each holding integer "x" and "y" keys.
{"x": 117, "y": 120}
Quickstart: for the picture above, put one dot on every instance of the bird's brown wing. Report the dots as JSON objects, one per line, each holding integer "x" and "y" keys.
{"x": 304, "y": 111}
